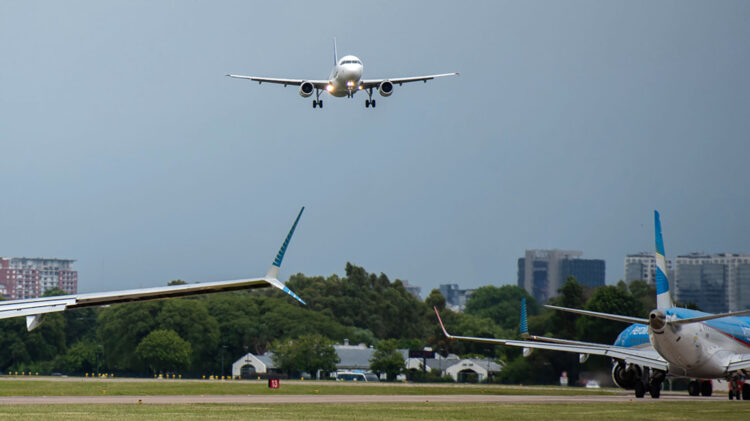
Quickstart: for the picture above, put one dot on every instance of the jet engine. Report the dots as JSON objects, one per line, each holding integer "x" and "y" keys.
{"x": 306, "y": 89}
{"x": 625, "y": 375}
{"x": 385, "y": 88}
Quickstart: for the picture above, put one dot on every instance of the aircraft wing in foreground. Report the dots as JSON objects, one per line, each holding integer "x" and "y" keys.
{"x": 35, "y": 308}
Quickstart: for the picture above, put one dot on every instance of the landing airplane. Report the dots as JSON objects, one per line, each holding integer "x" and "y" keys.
{"x": 681, "y": 343}
{"x": 35, "y": 308}
{"x": 344, "y": 80}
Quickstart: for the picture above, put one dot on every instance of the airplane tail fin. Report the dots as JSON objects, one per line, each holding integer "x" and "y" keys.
{"x": 273, "y": 271}
{"x": 524, "y": 323}
{"x": 663, "y": 297}
{"x": 335, "y": 53}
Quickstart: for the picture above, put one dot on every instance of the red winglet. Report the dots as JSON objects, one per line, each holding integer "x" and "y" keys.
{"x": 441, "y": 322}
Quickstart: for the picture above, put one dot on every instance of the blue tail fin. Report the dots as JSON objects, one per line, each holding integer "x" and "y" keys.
{"x": 663, "y": 298}
{"x": 524, "y": 322}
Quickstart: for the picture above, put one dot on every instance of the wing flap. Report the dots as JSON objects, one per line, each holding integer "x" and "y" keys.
{"x": 372, "y": 83}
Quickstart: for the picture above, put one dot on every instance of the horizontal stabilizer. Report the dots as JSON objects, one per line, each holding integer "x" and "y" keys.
{"x": 708, "y": 317}
{"x": 617, "y": 317}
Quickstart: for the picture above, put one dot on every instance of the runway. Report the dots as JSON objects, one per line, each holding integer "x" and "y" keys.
{"x": 338, "y": 399}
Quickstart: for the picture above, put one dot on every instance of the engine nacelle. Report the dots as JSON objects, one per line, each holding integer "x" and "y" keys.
{"x": 306, "y": 89}
{"x": 625, "y": 375}
{"x": 385, "y": 88}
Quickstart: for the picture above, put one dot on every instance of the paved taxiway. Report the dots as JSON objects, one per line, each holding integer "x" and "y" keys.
{"x": 343, "y": 399}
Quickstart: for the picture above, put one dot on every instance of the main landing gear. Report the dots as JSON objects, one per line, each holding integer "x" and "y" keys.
{"x": 650, "y": 381}
{"x": 369, "y": 102}
{"x": 700, "y": 388}
{"x": 317, "y": 102}
{"x": 738, "y": 388}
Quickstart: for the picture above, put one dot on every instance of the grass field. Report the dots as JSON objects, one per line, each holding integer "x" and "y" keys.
{"x": 14, "y": 387}
{"x": 666, "y": 411}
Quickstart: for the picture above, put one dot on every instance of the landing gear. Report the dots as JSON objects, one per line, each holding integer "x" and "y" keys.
{"x": 317, "y": 102}
{"x": 707, "y": 388}
{"x": 694, "y": 388}
{"x": 745, "y": 392}
{"x": 369, "y": 102}
{"x": 640, "y": 390}
{"x": 650, "y": 381}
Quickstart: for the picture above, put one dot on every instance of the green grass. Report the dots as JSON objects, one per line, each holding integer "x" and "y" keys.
{"x": 79, "y": 387}
{"x": 667, "y": 411}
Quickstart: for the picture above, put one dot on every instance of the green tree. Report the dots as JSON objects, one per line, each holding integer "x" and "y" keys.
{"x": 308, "y": 353}
{"x": 120, "y": 328}
{"x": 190, "y": 319}
{"x": 607, "y": 299}
{"x": 164, "y": 350}
{"x": 387, "y": 359}
{"x": 501, "y": 304}
{"x": 436, "y": 300}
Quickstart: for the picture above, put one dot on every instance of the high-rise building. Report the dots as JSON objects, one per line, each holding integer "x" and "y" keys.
{"x": 542, "y": 272}
{"x": 715, "y": 282}
{"x": 642, "y": 266}
{"x": 455, "y": 298}
{"x": 412, "y": 289}
{"x": 23, "y": 277}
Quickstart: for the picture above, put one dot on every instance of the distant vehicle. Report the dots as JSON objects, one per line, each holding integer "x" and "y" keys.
{"x": 592, "y": 384}
{"x": 344, "y": 80}
{"x": 351, "y": 376}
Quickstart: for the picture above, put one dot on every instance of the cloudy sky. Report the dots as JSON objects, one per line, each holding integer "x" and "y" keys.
{"x": 124, "y": 146}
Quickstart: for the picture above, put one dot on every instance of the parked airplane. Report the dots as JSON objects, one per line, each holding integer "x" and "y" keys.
{"x": 344, "y": 80}
{"x": 683, "y": 343}
{"x": 35, "y": 308}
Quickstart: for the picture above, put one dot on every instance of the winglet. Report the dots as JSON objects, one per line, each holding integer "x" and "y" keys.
{"x": 442, "y": 326}
{"x": 524, "y": 323}
{"x": 273, "y": 271}
{"x": 663, "y": 298}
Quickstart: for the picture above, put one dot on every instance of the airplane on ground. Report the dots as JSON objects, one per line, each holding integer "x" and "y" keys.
{"x": 344, "y": 80}
{"x": 672, "y": 341}
{"x": 35, "y": 308}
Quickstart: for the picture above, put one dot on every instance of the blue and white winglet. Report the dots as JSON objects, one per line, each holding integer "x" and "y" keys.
{"x": 35, "y": 308}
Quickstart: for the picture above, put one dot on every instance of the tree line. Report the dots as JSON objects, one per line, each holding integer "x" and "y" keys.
{"x": 204, "y": 335}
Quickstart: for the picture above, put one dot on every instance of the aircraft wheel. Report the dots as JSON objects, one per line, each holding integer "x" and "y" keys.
{"x": 745, "y": 392}
{"x": 372, "y": 103}
{"x": 694, "y": 388}
{"x": 654, "y": 390}
{"x": 367, "y": 103}
{"x": 706, "y": 388}
{"x": 315, "y": 103}
{"x": 640, "y": 389}
{"x": 320, "y": 103}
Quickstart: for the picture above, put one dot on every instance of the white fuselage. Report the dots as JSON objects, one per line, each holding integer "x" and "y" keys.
{"x": 696, "y": 349}
{"x": 345, "y": 77}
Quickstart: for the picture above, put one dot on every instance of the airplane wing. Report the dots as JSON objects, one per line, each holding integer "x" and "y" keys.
{"x": 35, "y": 308}
{"x": 643, "y": 357}
{"x": 374, "y": 83}
{"x": 740, "y": 363}
{"x": 320, "y": 84}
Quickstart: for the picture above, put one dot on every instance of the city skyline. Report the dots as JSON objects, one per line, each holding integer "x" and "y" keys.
{"x": 128, "y": 149}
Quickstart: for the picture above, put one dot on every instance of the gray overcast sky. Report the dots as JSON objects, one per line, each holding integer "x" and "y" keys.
{"x": 124, "y": 146}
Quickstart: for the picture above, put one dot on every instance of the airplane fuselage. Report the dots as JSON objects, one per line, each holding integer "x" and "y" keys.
{"x": 700, "y": 350}
{"x": 345, "y": 77}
